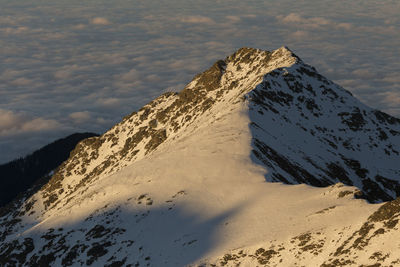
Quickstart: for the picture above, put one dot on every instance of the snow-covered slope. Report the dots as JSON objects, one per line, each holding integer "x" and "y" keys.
{"x": 186, "y": 179}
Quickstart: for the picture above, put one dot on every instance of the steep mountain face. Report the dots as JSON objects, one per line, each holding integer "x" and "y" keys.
{"x": 19, "y": 175}
{"x": 185, "y": 179}
{"x": 323, "y": 135}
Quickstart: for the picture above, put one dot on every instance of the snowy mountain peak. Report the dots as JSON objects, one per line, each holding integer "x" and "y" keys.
{"x": 339, "y": 136}
{"x": 282, "y": 56}
{"x": 211, "y": 158}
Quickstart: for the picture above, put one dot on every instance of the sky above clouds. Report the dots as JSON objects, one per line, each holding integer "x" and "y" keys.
{"x": 69, "y": 66}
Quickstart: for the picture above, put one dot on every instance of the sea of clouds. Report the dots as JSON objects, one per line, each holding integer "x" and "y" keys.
{"x": 69, "y": 66}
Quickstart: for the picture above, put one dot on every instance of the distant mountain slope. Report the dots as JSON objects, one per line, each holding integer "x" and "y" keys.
{"x": 246, "y": 165}
{"x": 20, "y": 174}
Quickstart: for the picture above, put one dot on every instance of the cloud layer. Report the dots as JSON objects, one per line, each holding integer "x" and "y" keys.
{"x": 12, "y": 123}
{"x": 81, "y": 66}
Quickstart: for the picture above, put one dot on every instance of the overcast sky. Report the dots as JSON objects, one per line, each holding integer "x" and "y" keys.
{"x": 69, "y": 65}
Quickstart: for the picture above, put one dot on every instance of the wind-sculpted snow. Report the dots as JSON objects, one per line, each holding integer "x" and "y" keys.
{"x": 201, "y": 177}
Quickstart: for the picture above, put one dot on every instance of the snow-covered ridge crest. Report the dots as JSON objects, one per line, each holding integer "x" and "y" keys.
{"x": 165, "y": 118}
{"x": 248, "y": 73}
{"x": 178, "y": 181}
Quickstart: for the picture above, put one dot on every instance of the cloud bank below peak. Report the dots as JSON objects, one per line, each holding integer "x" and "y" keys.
{"x": 17, "y": 123}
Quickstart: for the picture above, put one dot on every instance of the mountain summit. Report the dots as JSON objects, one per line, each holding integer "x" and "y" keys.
{"x": 187, "y": 178}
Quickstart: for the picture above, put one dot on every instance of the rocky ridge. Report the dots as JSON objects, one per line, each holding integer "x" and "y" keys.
{"x": 269, "y": 113}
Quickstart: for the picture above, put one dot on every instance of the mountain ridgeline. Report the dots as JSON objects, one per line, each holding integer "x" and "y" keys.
{"x": 305, "y": 128}
{"x": 259, "y": 137}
